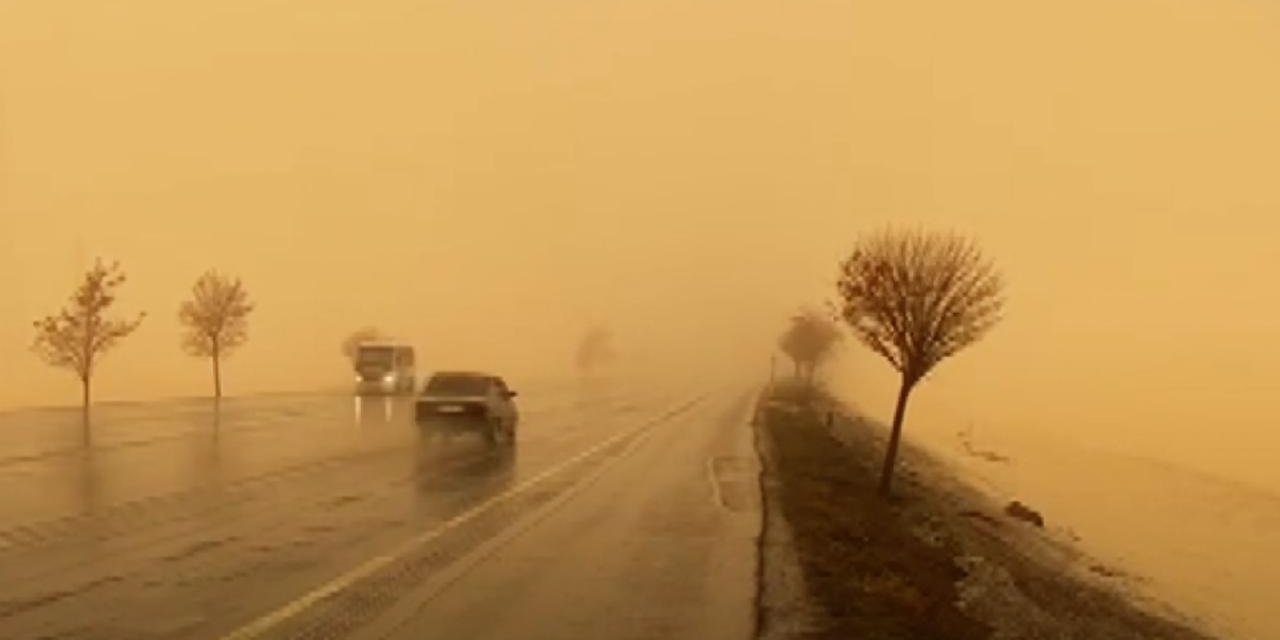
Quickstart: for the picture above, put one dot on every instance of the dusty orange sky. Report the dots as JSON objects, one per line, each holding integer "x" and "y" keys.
{"x": 487, "y": 180}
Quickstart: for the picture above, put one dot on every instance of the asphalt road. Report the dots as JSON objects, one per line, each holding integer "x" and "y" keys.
{"x": 618, "y": 513}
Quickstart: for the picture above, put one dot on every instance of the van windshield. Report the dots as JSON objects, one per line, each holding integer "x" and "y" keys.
{"x": 454, "y": 385}
{"x": 375, "y": 356}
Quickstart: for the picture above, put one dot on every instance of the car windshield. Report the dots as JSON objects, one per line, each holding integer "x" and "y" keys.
{"x": 457, "y": 385}
{"x": 375, "y": 356}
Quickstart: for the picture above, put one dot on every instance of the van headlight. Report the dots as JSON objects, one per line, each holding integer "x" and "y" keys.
{"x": 390, "y": 377}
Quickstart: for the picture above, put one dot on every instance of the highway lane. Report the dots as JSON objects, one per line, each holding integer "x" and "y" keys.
{"x": 649, "y": 534}
{"x": 660, "y": 543}
{"x": 141, "y": 451}
{"x": 183, "y": 532}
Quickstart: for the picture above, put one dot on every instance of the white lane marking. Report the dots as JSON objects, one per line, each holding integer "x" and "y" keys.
{"x": 715, "y": 483}
{"x": 403, "y": 612}
{"x": 267, "y": 621}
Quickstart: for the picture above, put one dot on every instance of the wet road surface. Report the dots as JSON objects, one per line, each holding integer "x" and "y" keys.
{"x": 619, "y": 514}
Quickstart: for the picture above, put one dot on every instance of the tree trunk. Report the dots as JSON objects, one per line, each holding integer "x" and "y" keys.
{"x": 217, "y": 376}
{"x": 891, "y": 455}
{"x": 84, "y": 406}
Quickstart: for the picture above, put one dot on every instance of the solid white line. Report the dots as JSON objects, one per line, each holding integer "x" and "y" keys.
{"x": 715, "y": 483}
{"x": 266, "y": 622}
{"x": 393, "y": 620}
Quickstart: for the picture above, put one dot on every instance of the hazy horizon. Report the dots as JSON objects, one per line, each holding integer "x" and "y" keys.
{"x": 489, "y": 184}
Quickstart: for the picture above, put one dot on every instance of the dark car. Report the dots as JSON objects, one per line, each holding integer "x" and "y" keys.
{"x": 469, "y": 401}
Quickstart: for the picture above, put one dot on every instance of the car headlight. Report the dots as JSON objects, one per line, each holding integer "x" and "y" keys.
{"x": 390, "y": 377}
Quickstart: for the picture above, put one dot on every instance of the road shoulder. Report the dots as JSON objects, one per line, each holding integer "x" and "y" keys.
{"x": 936, "y": 562}
{"x": 785, "y": 608}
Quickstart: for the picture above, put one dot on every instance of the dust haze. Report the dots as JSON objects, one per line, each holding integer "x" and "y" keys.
{"x": 490, "y": 181}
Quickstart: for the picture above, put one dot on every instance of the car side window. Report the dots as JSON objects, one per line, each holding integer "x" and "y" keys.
{"x": 500, "y": 387}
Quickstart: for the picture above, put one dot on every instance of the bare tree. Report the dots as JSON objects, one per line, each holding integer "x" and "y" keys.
{"x": 917, "y": 298}
{"x": 595, "y": 350}
{"x": 216, "y": 319}
{"x": 808, "y": 341}
{"x": 78, "y": 335}
{"x": 352, "y": 343}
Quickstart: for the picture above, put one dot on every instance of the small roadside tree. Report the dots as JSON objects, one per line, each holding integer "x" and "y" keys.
{"x": 77, "y": 336}
{"x": 351, "y": 344}
{"x": 594, "y": 350}
{"x": 808, "y": 341}
{"x": 216, "y": 320}
{"x": 917, "y": 298}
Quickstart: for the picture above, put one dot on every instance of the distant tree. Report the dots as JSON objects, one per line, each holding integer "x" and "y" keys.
{"x": 594, "y": 350}
{"x": 216, "y": 320}
{"x": 352, "y": 343}
{"x": 917, "y": 298}
{"x": 78, "y": 336}
{"x": 808, "y": 341}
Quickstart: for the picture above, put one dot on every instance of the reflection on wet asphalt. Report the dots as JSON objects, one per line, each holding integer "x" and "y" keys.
{"x": 180, "y": 521}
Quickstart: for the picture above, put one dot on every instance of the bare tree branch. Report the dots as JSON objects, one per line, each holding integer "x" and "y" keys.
{"x": 216, "y": 319}
{"x": 79, "y": 334}
{"x": 216, "y": 316}
{"x": 916, "y": 299}
{"x": 595, "y": 350}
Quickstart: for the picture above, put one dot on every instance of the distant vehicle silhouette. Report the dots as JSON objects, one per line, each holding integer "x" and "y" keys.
{"x": 384, "y": 368}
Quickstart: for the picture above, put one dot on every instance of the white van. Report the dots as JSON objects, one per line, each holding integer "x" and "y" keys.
{"x": 384, "y": 367}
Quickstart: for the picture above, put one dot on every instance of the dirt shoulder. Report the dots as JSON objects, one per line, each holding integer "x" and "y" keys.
{"x": 939, "y": 562}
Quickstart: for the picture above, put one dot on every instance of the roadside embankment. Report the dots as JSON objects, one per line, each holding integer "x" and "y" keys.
{"x": 939, "y": 561}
